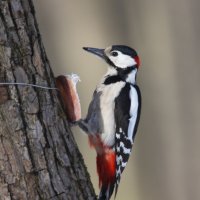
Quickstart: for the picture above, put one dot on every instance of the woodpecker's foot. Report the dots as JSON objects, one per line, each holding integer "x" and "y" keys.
{"x": 83, "y": 125}
{"x": 75, "y": 123}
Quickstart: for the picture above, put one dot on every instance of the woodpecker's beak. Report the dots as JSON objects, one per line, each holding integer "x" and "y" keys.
{"x": 95, "y": 51}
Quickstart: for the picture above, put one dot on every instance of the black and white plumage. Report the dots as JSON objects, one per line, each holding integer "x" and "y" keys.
{"x": 113, "y": 115}
{"x": 127, "y": 113}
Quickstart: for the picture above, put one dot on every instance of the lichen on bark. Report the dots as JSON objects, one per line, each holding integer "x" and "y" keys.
{"x": 39, "y": 158}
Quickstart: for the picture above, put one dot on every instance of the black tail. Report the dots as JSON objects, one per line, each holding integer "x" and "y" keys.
{"x": 106, "y": 192}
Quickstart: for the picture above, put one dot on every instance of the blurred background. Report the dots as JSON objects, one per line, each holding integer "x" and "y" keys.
{"x": 165, "y": 163}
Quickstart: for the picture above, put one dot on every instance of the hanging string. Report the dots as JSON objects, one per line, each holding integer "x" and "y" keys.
{"x": 31, "y": 85}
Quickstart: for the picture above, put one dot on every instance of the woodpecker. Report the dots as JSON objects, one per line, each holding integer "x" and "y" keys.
{"x": 113, "y": 115}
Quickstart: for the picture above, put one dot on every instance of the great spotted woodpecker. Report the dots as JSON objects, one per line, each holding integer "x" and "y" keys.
{"x": 113, "y": 115}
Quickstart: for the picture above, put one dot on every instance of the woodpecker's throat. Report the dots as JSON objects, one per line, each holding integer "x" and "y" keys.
{"x": 128, "y": 76}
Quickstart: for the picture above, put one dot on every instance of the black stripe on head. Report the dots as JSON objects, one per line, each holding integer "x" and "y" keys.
{"x": 110, "y": 62}
{"x": 125, "y": 50}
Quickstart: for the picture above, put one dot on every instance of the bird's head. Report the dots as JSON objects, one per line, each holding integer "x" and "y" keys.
{"x": 118, "y": 56}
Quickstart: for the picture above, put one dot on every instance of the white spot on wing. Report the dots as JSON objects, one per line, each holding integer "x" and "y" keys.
{"x": 117, "y": 135}
{"x": 119, "y": 158}
{"x": 124, "y": 164}
{"x": 133, "y": 112}
{"x": 125, "y": 150}
{"x": 118, "y": 149}
{"x": 118, "y": 172}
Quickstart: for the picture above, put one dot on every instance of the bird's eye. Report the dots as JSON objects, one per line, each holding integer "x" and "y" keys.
{"x": 114, "y": 53}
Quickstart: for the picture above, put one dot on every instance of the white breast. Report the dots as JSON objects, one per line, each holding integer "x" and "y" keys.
{"x": 107, "y": 105}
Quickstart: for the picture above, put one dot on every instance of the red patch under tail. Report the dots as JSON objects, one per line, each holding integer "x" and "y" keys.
{"x": 106, "y": 167}
{"x": 106, "y": 161}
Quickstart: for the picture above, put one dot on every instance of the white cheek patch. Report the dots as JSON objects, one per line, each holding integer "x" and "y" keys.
{"x": 122, "y": 60}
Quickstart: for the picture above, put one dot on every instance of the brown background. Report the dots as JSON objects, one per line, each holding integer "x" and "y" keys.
{"x": 165, "y": 163}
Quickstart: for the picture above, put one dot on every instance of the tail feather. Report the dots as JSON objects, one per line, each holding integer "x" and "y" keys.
{"x": 106, "y": 192}
{"x": 106, "y": 168}
{"x": 116, "y": 186}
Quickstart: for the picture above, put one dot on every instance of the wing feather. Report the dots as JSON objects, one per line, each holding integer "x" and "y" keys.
{"x": 127, "y": 114}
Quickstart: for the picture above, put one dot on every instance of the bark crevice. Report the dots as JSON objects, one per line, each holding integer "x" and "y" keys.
{"x": 39, "y": 158}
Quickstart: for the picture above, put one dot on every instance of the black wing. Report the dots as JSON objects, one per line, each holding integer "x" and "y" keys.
{"x": 127, "y": 114}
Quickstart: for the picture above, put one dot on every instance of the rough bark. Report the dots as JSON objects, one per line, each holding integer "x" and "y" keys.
{"x": 39, "y": 158}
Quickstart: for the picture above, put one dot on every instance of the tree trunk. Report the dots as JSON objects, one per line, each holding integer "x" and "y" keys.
{"x": 39, "y": 158}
